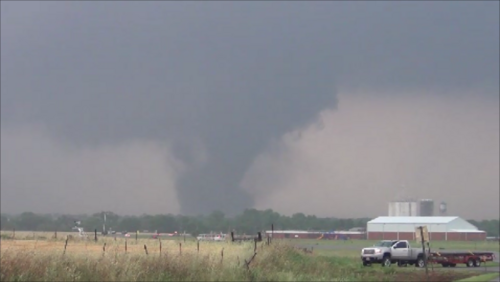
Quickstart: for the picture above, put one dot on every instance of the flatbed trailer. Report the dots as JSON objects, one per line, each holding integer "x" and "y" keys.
{"x": 451, "y": 259}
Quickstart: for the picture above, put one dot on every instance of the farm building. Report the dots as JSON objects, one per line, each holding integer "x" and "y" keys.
{"x": 330, "y": 235}
{"x": 446, "y": 228}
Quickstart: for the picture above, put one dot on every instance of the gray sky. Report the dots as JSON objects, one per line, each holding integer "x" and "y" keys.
{"x": 156, "y": 107}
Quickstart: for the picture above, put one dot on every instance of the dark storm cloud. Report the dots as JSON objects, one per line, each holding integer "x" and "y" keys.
{"x": 230, "y": 76}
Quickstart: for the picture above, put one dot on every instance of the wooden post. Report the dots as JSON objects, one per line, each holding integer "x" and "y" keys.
{"x": 104, "y": 249}
{"x": 180, "y": 248}
{"x": 65, "y": 245}
{"x": 159, "y": 240}
{"x": 125, "y": 245}
{"x": 55, "y": 234}
{"x": 136, "y": 233}
{"x": 429, "y": 249}
{"x": 232, "y": 236}
{"x": 198, "y": 246}
{"x": 14, "y": 233}
{"x": 95, "y": 235}
{"x": 272, "y": 233}
{"x": 484, "y": 263}
{"x": 423, "y": 251}
{"x": 221, "y": 255}
{"x": 255, "y": 245}
{"x": 146, "y": 249}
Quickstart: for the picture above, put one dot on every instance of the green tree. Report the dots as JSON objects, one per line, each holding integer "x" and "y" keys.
{"x": 130, "y": 224}
{"x": 6, "y": 223}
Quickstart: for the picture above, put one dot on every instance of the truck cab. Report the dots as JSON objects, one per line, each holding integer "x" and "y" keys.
{"x": 400, "y": 250}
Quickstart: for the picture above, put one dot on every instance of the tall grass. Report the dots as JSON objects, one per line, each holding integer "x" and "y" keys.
{"x": 86, "y": 261}
{"x": 277, "y": 262}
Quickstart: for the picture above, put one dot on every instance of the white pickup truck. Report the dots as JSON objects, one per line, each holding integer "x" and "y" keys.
{"x": 387, "y": 252}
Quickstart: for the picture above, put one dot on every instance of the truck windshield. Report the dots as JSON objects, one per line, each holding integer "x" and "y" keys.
{"x": 384, "y": 244}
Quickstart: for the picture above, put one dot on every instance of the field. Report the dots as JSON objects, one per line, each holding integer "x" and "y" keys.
{"x": 41, "y": 257}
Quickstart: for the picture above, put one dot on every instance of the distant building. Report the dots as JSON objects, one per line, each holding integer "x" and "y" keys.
{"x": 447, "y": 228}
{"x": 320, "y": 235}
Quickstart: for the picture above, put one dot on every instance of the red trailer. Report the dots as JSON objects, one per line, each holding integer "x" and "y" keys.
{"x": 470, "y": 259}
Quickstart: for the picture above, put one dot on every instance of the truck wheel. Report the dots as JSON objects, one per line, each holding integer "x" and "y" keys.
{"x": 420, "y": 262}
{"x": 365, "y": 263}
{"x": 445, "y": 264}
{"x": 453, "y": 264}
{"x": 386, "y": 261}
{"x": 477, "y": 263}
{"x": 470, "y": 262}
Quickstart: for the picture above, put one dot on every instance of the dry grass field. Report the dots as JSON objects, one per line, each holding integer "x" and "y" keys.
{"x": 42, "y": 257}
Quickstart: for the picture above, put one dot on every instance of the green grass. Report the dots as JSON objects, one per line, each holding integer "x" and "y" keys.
{"x": 482, "y": 277}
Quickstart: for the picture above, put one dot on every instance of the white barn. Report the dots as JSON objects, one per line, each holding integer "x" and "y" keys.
{"x": 439, "y": 227}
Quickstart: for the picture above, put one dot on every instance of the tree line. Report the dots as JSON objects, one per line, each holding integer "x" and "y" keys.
{"x": 248, "y": 222}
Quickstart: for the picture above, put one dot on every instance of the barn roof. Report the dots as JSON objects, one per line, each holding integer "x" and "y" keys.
{"x": 413, "y": 219}
{"x": 467, "y": 231}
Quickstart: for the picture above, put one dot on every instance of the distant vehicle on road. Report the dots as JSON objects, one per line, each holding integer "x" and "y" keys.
{"x": 211, "y": 237}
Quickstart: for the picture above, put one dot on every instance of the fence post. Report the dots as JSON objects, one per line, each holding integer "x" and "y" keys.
{"x": 95, "y": 235}
{"x": 146, "y": 249}
{"x": 160, "y": 244}
{"x": 180, "y": 248}
{"x": 198, "y": 246}
{"x": 125, "y": 245}
{"x": 65, "y": 244}
{"x": 423, "y": 251}
{"x": 272, "y": 233}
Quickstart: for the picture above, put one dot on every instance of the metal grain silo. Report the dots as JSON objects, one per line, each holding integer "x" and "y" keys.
{"x": 426, "y": 207}
{"x": 403, "y": 208}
